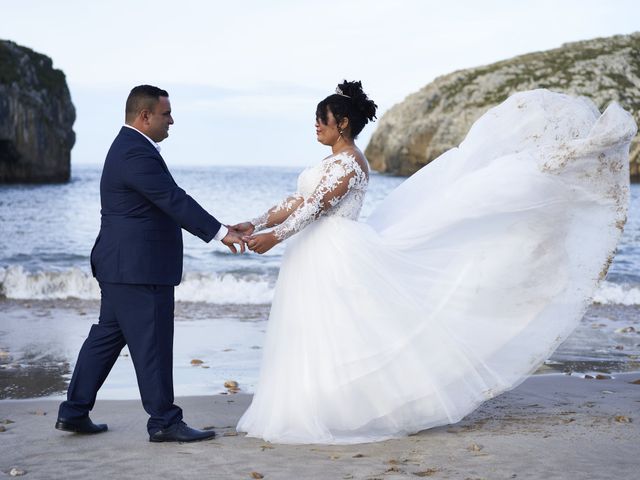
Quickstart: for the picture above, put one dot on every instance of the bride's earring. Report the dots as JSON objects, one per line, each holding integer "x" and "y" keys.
{"x": 340, "y": 133}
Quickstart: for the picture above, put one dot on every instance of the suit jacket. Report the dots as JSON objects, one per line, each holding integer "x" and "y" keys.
{"x": 143, "y": 212}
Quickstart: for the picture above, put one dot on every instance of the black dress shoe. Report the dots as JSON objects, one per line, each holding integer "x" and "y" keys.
{"x": 180, "y": 432}
{"x": 84, "y": 425}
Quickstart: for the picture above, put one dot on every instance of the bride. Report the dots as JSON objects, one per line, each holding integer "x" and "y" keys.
{"x": 459, "y": 285}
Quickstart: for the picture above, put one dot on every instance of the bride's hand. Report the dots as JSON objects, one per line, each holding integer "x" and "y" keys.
{"x": 261, "y": 243}
{"x": 244, "y": 228}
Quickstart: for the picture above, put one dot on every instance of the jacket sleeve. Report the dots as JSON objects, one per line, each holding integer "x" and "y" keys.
{"x": 145, "y": 174}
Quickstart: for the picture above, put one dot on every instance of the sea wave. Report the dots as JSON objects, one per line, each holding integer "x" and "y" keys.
{"x": 18, "y": 283}
{"x": 615, "y": 293}
{"x": 239, "y": 287}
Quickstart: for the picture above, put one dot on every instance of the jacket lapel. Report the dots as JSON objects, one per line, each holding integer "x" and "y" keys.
{"x": 134, "y": 134}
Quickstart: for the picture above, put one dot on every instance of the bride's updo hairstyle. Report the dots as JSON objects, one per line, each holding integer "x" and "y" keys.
{"x": 350, "y": 102}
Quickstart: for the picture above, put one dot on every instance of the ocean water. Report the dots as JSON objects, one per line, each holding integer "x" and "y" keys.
{"x": 46, "y": 235}
{"x": 48, "y": 298}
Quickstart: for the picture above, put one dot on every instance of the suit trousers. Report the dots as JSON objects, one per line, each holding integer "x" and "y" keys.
{"x": 140, "y": 316}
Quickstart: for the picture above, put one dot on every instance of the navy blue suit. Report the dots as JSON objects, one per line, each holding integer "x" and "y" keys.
{"x": 137, "y": 260}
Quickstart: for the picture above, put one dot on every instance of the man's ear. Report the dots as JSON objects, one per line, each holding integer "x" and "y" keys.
{"x": 144, "y": 115}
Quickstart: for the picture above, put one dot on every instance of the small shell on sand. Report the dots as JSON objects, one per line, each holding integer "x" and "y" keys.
{"x": 16, "y": 472}
{"x": 230, "y": 384}
{"x": 196, "y": 361}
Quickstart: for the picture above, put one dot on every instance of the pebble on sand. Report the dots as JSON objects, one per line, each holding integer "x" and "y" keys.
{"x": 232, "y": 386}
{"x": 426, "y": 473}
{"x": 196, "y": 361}
{"x": 622, "y": 419}
{"x": 17, "y": 472}
{"x": 625, "y": 330}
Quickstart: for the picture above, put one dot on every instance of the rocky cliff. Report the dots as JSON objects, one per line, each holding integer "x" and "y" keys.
{"x": 436, "y": 118}
{"x": 36, "y": 116}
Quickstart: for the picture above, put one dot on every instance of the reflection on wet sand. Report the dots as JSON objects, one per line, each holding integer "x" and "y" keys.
{"x": 29, "y": 381}
{"x": 39, "y": 341}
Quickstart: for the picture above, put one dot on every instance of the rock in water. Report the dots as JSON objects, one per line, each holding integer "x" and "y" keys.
{"x": 36, "y": 118}
{"x": 437, "y": 118}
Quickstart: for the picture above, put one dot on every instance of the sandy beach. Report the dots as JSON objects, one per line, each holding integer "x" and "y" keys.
{"x": 551, "y": 426}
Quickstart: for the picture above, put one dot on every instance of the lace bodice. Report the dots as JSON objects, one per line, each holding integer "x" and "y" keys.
{"x": 334, "y": 187}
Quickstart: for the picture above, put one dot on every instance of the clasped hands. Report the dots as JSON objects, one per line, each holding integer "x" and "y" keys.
{"x": 241, "y": 234}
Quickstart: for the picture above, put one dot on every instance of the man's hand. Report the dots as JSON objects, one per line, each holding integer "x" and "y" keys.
{"x": 261, "y": 243}
{"x": 233, "y": 238}
{"x": 244, "y": 228}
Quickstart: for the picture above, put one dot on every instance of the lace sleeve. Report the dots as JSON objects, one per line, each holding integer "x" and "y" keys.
{"x": 278, "y": 213}
{"x": 339, "y": 177}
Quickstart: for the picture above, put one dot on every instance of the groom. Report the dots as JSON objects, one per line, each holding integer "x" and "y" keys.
{"x": 137, "y": 260}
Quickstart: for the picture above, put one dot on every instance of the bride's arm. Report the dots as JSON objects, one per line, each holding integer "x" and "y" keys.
{"x": 272, "y": 217}
{"x": 338, "y": 178}
{"x": 278, "y": 213}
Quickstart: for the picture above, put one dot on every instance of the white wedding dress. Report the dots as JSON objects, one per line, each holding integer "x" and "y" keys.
{"x": 461, "y": 283}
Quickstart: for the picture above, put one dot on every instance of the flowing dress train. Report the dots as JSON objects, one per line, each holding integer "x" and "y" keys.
{"x": 456, "y": 288}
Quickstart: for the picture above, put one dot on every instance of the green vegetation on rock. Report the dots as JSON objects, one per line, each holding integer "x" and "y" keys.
{"x": 36, "y": 72}
{"x": 436, "y": 118}
{"x": 36, "y": 117}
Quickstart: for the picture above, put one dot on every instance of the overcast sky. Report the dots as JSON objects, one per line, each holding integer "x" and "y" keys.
{"x": 244, "y": 77}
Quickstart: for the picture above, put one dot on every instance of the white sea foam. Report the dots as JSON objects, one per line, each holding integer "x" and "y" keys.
{"x": 17, "y": 283}
{"x": 212, "y": 288}
{"x": 613, "y": 293}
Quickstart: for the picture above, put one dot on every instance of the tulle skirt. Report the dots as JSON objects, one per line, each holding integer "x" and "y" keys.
{"x": 460, "y": 284}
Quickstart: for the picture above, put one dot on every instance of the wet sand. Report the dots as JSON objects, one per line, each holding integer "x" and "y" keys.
{"x": 40, "y": 340}
{"x": 550, "y": 427}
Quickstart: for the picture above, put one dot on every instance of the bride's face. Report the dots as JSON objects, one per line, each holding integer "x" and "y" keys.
{"x": 327, "y": 133}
